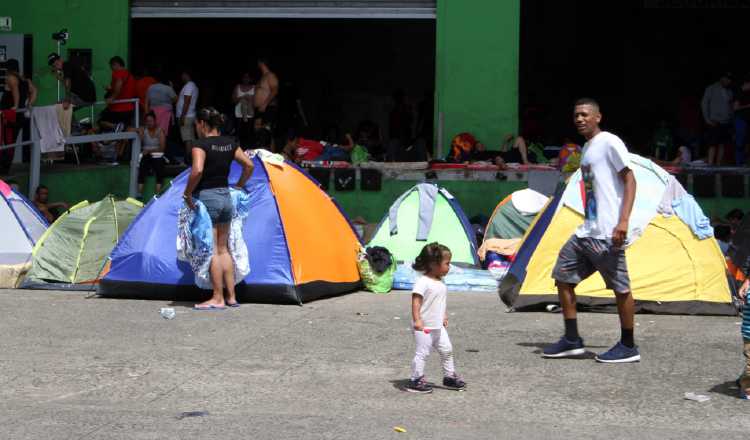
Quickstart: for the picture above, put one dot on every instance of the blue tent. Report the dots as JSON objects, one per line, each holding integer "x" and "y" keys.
{"x": 301, "y": 246}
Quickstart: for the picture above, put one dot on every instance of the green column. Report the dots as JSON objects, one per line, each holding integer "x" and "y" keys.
{"x": 477, "y": 69}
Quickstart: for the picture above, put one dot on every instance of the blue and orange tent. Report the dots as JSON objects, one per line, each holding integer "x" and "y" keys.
{"x": 301, "y": 246}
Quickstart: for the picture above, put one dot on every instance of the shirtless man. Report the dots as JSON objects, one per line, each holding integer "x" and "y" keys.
{"x": 50, "y": 211}
{"x": 266, "y": 104}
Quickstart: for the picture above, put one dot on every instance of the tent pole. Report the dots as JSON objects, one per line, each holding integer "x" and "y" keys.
{"x": 36, "y": 158}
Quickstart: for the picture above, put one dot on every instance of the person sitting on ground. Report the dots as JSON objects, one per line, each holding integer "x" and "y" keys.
{"x": 464, "y": 148}
{"x": 723, "y": 235}
{"x": 289, "y": 151}
{"x": 212, "y": 157}
{"x": 263, "y": 140}
{"x": 368, "y": 136}
{"x": 513, "y": 150}
{"x": 50, "y": 211}
{"x": 683, "y": 158}
{"x": 153, "y": 142}
{"x": 662, "y": 143}
{"x": 734, "y": 218}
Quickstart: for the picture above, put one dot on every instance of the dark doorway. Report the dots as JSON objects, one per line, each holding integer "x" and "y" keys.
{"x": 342, "y": 71}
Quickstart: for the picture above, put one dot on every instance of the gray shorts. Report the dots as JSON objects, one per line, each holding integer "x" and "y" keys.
{"x": 218, "y": 203}
{"x": 187, "y": 131}
{"x": 579, "y": 258}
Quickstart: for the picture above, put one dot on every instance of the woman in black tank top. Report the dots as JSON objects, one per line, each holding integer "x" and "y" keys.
{"x": 212, "y": 157}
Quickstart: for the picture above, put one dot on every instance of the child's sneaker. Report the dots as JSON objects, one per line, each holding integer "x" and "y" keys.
{"x": 454, "y": 382}
{"x": 419, "y": 386}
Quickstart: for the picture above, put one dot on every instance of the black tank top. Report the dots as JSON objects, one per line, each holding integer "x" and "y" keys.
{"x": 23, "y": 91}
{"x": 219, "y": 155}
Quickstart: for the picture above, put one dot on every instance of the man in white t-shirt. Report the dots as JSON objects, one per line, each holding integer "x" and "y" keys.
{"x": 598, "y": 245}
{"x": 186, "y": 112}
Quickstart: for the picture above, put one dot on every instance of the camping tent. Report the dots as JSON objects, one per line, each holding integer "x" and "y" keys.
{"x": 22, "y": 226}
{"x": 72, "y": 253}
{"x": 675, "y": 266}
{"x": 301, "y": 246}
{"x": 514, "y": 214}
{"x": 424, "y": 214}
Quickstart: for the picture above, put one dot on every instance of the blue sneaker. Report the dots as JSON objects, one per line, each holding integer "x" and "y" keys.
{"x": 619, "y": 354}
{"x": 564, "y": 348}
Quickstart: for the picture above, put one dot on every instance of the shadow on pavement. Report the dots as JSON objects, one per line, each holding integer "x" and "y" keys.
{"x": 728, "y": 388}
{"x": 540, "y": 345}
{"x": 400, "y": 384}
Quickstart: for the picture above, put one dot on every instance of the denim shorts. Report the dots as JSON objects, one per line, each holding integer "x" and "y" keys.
{"x": 218, "y": 203}
{"x": 579, "y": 258}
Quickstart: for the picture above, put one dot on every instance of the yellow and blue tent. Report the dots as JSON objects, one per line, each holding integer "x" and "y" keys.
{"x": 673, "y": 270}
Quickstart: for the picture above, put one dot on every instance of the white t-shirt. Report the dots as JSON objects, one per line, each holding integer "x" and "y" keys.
{"x": 434, "y": 295}
{"x": 189, "y": 89}
{"x": 604, "y": 156}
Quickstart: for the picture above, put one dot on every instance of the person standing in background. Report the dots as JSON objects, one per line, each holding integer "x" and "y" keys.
{"x": 244, "y": 110}
{"x": 143, "y": 81}
{"x": 160, "y": 99}
{"x": 741, "y": 121}
{"x": 717, "y": 113}
{"x": 19, "y": 93}
{"x": 186, "y": 102}
{"x": 266, "y": 104}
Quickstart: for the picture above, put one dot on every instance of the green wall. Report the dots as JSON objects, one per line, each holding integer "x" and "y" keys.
{"x": 99, "y": 25}
{"x": 477, "y": 68}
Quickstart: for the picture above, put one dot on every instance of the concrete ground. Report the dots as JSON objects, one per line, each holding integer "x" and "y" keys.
{"x": 73, "y": 367}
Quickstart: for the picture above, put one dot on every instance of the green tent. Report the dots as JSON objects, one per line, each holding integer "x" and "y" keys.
{"x": 72, "y": 253}
{"x": 514, "y": 214}
{"x": 424, "y": 214}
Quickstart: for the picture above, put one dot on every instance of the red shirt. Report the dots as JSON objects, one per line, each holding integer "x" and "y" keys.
{"x": 141, "y": 88}
{"x": 126, "y": 92}
{"x": 308, "y": 150}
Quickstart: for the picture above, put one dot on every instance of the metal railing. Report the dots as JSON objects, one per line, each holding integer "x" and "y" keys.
{"x": 36, "y": 152}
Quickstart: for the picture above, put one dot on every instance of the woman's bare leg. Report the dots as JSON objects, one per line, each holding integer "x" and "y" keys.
{"x": 217, "y": 279}
{"x": 227, "y": 265}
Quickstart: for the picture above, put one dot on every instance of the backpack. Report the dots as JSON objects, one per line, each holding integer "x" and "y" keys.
{"x": 376, "y": 268}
